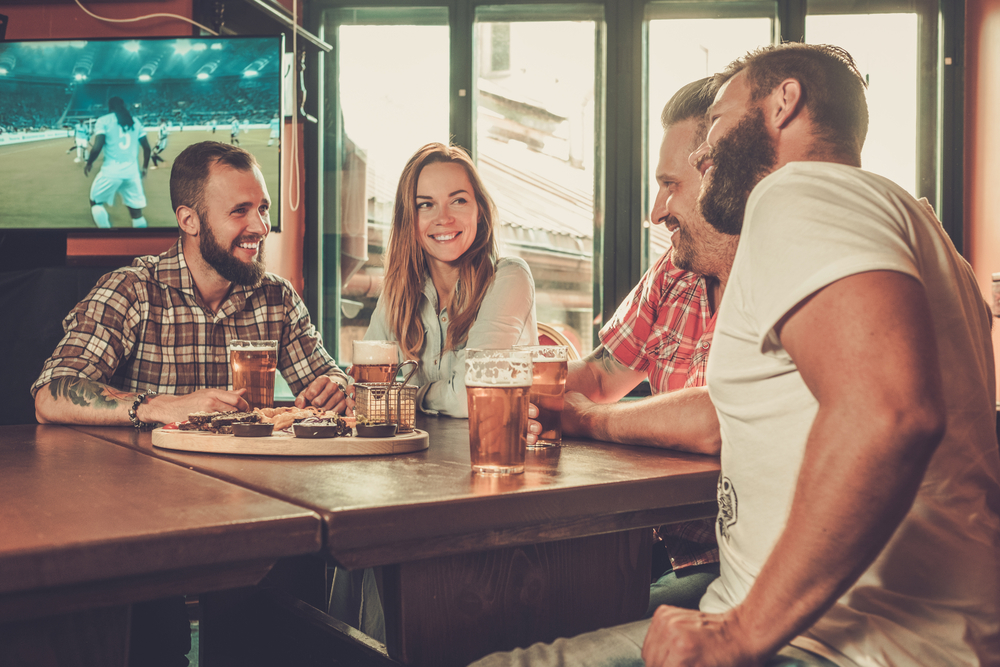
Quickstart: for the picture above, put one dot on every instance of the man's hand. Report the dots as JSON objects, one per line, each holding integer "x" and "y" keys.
{"x": 574, "y": 412}
{"x": 325, "y": 393}
{"x": 86, "y": 169}
{"x": 165, "y": 408}
{"x": 534, "y": 427}
{"x": 685, "y": 638}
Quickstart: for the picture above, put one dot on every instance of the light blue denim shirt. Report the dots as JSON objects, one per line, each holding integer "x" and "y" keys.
{"x": 506, "y": 318}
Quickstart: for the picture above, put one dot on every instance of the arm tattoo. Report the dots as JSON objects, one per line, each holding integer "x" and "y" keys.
{"x": 607, "y": 361}
{"x": 88, "y": 393}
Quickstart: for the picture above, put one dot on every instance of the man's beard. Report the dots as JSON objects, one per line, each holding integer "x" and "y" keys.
{"x": 225, "y": 264}
{"x": 740, "y": 160}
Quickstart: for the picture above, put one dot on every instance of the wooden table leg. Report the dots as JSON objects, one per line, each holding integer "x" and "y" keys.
{"x": 452, "y": 610}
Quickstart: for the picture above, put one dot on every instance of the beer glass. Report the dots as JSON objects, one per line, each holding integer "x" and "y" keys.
{"x": 374, "y": 360}
{"x": 497, "y": 383}
{"x": 548, "y": 389}
{"x": 253, "y": 363}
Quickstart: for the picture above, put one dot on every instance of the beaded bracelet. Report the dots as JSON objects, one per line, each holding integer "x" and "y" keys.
{"x": 133, "y": 417}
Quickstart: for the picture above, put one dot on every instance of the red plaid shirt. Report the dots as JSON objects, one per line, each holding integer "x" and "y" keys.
{"x": 664, "y": 328}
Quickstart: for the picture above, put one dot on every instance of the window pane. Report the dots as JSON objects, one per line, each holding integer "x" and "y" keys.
{"x": 885, "y": 48}
{"x": 392, "y": 91}
{"x": 682, "y": 51}
{"x": 535, "y": 129}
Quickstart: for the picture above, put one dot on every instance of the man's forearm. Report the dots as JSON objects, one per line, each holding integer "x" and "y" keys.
{"x": 72, "y": 400}
{"x": 684, "y": 420}
{"x": 602, "y": 378}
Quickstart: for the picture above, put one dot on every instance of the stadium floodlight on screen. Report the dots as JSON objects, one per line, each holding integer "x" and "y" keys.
{"x": 60, "y": 99}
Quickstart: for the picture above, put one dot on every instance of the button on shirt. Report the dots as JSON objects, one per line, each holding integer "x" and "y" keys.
{"x": 143, "y": 328}
{"x": 664, "y": 328}
{"x": 506, "y": 318}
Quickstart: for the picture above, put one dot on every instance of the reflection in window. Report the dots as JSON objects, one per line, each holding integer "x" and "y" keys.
{"x": 392, "y": 102}
{"x": 535, "y": 150}
{"x": 885, "y": 49}
{"x": 682, "y": 51}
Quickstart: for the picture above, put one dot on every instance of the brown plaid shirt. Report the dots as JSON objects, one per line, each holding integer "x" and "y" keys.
{"x": 142, "y": 327}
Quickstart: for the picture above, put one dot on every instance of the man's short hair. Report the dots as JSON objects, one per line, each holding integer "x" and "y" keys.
{"x": 190, "y": 171}
{"x": 832, "y": 87}
{"x": 691, "y": 101}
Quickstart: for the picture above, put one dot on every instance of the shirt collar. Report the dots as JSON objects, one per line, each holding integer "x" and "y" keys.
{"x": 173, "y": 271}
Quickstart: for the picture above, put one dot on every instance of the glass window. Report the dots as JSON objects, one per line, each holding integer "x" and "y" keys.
{"x": 682, "y": 50}
{"x": 885, "y": 49}
{"x": 535, "y": 144}
{"x": 390, "y": 102}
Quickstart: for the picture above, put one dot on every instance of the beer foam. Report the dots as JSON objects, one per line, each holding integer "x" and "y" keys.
{"x": 375, "y": 352}
{"x": 253, "y": 346}
{"x": 487, "y": 372}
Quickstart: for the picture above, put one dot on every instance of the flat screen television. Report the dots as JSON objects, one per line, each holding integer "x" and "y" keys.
{"x": 53, "y": 94}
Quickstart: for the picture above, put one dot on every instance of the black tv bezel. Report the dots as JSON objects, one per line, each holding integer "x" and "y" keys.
{"x": 19, "y": 232}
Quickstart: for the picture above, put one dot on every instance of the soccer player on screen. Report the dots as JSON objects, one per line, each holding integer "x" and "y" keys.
{"x": 118, "y": 134}
{"x": 275, "y": 127}
{"x": 81, "y": 140}
{"x": 162, "y": 134}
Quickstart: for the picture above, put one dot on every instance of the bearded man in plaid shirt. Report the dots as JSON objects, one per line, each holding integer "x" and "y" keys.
{"x": 663, "y": 332}
{"x": 149, "y": 344}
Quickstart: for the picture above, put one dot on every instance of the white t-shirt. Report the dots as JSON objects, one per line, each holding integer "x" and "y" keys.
{"x": 931, "y": 597}
{"x": 121, "y": 146}
{"x": 506, "y": 318}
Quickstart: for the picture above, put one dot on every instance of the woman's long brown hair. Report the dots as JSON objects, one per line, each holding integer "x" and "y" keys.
{"x": 406, "y": 266}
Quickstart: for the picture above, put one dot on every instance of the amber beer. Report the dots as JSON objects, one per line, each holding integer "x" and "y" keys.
{"x": 498, "y": 385}
{"x": 254, "y": 363}
{"x": 374, "y": 360}
{"x": 548, "y": 390}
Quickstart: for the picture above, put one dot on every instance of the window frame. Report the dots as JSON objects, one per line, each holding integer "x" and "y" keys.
{"x": 621, "y": 191}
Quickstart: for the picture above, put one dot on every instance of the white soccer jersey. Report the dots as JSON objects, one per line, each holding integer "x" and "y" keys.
{"x": 120, "y": 146}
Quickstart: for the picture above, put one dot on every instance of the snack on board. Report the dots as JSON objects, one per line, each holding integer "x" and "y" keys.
{"x": 335, "y": 425}
{"x": 281, "y": 418}
{"x": 217, "y": 422}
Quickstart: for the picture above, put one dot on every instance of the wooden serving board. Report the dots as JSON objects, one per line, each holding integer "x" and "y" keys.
{"x": 286, "y": 444}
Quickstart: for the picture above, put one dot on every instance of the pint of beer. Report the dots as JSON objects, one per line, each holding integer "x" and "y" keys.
{"x": 497, "y": 383}
{"x": 548, "y": 389}
{"x": 253, "y": 364}
{"x": 374, "y": 360}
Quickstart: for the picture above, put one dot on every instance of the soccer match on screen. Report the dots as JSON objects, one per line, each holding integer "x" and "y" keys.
{"x": 77, "y": 115}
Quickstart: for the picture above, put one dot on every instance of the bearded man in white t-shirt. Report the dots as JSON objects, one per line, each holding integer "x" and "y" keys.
{"x": 853, "y": 377}
{"x": 852, "y": 374}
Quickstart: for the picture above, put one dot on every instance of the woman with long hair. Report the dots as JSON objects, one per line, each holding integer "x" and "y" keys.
{"x": 446, "y": 288}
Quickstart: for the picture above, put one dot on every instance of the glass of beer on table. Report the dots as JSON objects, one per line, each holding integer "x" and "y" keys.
{"x": 548, "y": 389}
{"x": 497, "y": 383}
{"x": 253, "y": 363}
{"x": 374, "y": 360}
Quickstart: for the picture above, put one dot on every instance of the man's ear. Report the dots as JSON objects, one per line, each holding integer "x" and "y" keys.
{"x": 785, "y": 103}
{"x": 188, "y": 220}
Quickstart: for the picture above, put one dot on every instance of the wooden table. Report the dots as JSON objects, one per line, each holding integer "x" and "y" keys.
{"x": 88, "y": 528}
{"x": 478, "y": 563}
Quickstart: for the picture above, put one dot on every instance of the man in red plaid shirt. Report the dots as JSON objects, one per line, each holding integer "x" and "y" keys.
{"x": 663, "y": 332}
